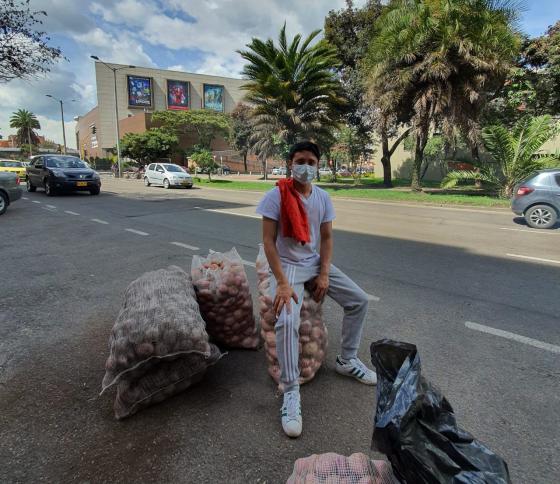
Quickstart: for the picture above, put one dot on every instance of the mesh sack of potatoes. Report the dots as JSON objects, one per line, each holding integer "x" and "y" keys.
{"x": 162, "y": 381}
{"x": 333, "y": 468}
{"x": 313, "y": 335}
{"x": 224, "y": 297}
{"x": 159, "y": 320}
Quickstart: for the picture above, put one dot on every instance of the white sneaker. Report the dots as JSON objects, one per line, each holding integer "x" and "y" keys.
{"x": 291, "y": 414}
{"x": 356, "y": 369}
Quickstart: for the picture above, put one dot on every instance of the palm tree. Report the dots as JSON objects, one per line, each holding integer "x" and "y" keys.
{"x": 292, "y": 87}
{"x": 516, "y": 154}
{"x": 26, "y": 123}
{"x": 447, "y": 55}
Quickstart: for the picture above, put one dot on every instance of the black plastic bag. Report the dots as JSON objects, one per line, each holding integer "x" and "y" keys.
{"x": 415, "y": 426}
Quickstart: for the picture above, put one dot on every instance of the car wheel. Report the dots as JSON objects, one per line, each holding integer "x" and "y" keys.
{"x": 146, "y": 181}
{"x": 49, "y": 189}
{"x": 30, "y": 186}
{"x": 95, "y": 191}
{"x": 3, "y": 203}
{"x": 166, "y": 183}
{"x": 541, "y": 217}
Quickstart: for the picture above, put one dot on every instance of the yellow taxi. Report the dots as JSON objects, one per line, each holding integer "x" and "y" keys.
{"x": 14, "y": 166}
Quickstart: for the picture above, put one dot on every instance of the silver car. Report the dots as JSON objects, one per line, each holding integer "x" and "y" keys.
{"x": 10, "y": 190}
{"x": 538, "y": 199}
{"x": 167, "y": 175}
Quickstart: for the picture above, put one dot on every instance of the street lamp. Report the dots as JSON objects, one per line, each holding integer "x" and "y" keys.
{"x": 62, "y": 117}
{"x": 115, "y": 69}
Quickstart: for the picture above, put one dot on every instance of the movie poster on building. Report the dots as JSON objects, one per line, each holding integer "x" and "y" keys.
{"x": 139, "y": 92}
{"x": 178, "y": 97}
{"x": 214, "y": 97}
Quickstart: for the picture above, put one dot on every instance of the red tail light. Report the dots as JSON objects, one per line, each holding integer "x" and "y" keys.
{"x": 524, "y": 191}
{"x": 17, "y": 180}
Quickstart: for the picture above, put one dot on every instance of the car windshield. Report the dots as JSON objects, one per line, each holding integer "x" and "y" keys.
{"x": 174, "y": 168}
{"x": 65, "y": 162}
{"x": 11, "y": 164}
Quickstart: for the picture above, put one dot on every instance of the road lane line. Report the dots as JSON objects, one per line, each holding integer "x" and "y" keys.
{"x": 535, "y": 231}
{"x": 514, "y": 337}
{"x": 36, "y": 201}
{"x": 248, "y": 263}
{"x": 137, "y": 232}
{"x": 538, "y": 259}
{"x": 185, "y": 246}
{"x": 228, "y": 213}
{"x": 51, "y": 206}
{"x": 69, "y": 212}
{"x": 371, "y": 297}
{"x": 25, "y": 198}
{"x": 97, "y": 221}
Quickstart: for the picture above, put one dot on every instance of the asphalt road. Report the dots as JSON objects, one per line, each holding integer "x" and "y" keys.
{"x": 432, "y": 272}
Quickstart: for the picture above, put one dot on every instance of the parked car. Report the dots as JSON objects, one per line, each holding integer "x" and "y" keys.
{"x": 57, "y": 173}
{"x": 343, "y": 172}
{"x": 167, "y": 175}
{"x": 10, "y": 190}
{"x": 279, "y": 171}
{"x": 14, "y": 166}
{"x": 538, "y": 199}
{"x": 325, "y": 171}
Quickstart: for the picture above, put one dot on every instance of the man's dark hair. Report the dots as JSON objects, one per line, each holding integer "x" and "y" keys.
{"x": 304, "y": 146}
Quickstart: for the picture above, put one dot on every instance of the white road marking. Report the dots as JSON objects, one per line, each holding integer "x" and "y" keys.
{"x": 70, "y": 212}
{"x": 228, "y": 213}
{"x": 185, "y": 246}
{"x": 51, "y": 206}
{"x": 534, "y": 231}
{"x": 36, "y": 201}
{"x": 137, "y": 232}
{"x": 248, "y": 263}
{"x": 25, "y": 198}
{"x": 514, "y": 337}
{"x": 538, "y": 259}
{"x": 371, "y": 297}
{"x": 96, "y": 220}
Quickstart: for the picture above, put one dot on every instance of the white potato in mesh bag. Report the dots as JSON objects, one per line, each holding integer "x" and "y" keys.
{"x": 225, "y": 300}
{"x": 313, "y": 335}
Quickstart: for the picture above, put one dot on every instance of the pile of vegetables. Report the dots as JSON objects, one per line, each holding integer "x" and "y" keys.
{"x": 158, "y": 345}
{"x": 224, "y": 296}
{"x": 331, "y": 467}
{"x": 313, "y": 335}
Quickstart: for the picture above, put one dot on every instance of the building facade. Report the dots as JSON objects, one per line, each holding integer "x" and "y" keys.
{"x": 142, "y": 91}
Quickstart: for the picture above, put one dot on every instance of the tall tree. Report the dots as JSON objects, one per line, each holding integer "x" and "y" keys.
{"x": 24, "y": 50}
{"x": 447, "y": 55}
{"x": 148, "y": 146}
{"x": 241, "y": 130}
{"x": 26, "y": 123}
{"x": 206, "y": 125}
{"x": 292, "y": 87}
{"x": 533, "y": 84}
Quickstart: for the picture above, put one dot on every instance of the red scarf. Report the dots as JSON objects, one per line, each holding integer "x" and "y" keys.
{"x": 292, "y": 212}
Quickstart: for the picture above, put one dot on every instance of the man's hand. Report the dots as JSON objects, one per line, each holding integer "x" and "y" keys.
{"x": 284, "y": 293}
{"x": 321, "y": 286}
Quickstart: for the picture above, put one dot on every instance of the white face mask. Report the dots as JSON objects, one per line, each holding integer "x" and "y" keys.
{"x": 304, "y": 173}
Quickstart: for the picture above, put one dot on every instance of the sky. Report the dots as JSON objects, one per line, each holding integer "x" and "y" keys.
{"x": 199, "y": 36}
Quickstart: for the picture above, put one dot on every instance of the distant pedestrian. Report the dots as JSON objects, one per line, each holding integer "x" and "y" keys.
{"x": 115, "y": 169}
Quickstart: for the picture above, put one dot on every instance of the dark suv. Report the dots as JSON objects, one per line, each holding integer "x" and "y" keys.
{"x": 60, "y": 172}
{"x": 538, "y": 199}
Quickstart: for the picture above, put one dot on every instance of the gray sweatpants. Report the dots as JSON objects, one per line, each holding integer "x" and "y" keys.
{"x": 344, "y": 291}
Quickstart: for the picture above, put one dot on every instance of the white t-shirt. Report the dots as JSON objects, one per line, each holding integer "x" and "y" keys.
{"x": 319, "y": 210}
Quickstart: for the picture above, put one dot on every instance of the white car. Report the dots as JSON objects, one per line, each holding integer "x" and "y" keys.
{"x": 325, "y": 171}
{"x": 168, "y": 175}
{"x": 279, "y": 171}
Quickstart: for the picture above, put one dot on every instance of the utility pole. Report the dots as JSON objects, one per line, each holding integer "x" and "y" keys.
{"x": 62, "y": 118}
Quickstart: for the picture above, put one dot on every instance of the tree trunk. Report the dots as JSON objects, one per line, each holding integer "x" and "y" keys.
{"x": 245, "y": 161}
{"x": 386, "y": 160}
{"x": 421, "y": 140}
{"x": 29, "y": 140}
